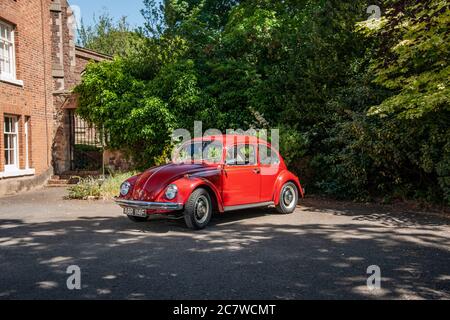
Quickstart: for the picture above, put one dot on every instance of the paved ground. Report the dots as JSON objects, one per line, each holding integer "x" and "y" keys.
{"x": 321, "y": 251}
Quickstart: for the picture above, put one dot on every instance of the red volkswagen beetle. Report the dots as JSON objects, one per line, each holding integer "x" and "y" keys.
{"x": 216, "y": 173}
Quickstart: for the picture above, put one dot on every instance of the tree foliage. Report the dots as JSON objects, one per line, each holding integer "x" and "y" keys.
{"x": 107, "y": 35}
{"x": 362, "y": 105}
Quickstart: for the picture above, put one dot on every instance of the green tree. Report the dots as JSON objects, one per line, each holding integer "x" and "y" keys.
{"x": 108, "y": 36}
{"x": 413, "y": 45}
{"x": 136, "y": 121}
{"x": 362, "y": 105}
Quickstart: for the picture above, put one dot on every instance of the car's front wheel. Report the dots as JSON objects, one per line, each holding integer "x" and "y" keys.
{"x": 288, "y": 198}
{"x": 198, "y": 210}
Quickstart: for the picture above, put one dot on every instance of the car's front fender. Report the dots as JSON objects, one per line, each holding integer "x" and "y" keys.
{"x": 283, "y": 177}
{"x": 187, "y": 184}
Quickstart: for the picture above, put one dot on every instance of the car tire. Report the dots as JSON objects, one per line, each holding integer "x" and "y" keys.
{"x": 198, "y": 210}
{"x": 288, "y": 198}
{"x": 138, "y": 219}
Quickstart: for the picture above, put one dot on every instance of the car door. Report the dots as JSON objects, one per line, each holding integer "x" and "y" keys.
{"x": 241, "y": 175}
{"x": 269, "y": 162}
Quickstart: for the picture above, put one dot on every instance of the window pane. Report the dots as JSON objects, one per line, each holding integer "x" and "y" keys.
{"x": 11, "y": 155}
{"x": 6, "y": 67}
{"x": 241, "y": 155}
{"x": 6, "y": 138}
{"x": 268, "y": 156}
{"x": 264, "y": 155}
{"x": 5, "y": 33}
{"x": 6, "y": 51}
{"x": 26, "y": 140}
{"x": 2, "y": 60}
{"x": 231, "y": 156}
{"x": 13, "y": 122}
{"x": 250, "y": 154}
{"x": 275, "y": 158}
{"x": 12, "y": 141}
{"x": 7, "y": 125}
{"x": 213, "y": 152}
{"x": 1, "y": 51}
{"x": 6, "y": 55}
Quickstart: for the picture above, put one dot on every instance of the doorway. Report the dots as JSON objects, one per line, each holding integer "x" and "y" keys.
{"x": 85, "y": 145}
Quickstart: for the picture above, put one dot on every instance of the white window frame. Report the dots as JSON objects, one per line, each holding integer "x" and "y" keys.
{"x": 12, "y": 75}
{"x": 15, "y": 166}
{"x": 26, "y": 138}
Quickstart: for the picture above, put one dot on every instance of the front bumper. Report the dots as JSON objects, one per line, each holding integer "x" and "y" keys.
{"x": 163, "y": 206}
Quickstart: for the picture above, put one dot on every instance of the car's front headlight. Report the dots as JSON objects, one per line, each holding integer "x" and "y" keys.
{"x": 125, "y": 188}
{"x": 171, "y": 192}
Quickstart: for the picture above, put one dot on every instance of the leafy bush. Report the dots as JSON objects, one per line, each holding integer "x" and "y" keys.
{"x": 362, "y": 105}
{"x": 98, "y": 188}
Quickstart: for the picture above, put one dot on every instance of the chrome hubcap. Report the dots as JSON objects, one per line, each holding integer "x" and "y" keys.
{"x": 289, "y": 197}
{"x": 201, "y": 209}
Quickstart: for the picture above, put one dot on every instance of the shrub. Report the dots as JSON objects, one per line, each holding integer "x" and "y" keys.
{"x": 98, "y": 188}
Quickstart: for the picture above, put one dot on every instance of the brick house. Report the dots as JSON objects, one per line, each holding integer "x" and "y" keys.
{"x": 39, "y": 66}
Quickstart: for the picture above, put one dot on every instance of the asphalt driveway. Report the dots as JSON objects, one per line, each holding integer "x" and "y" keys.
{"x": 322, "y": 251}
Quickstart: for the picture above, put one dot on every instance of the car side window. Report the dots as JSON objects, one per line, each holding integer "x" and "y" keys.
{"x": 209, "y": 151}
{"x": 241, "y": 154}
{"x": 213, "y": 152}
{"x": 267, "y": 156}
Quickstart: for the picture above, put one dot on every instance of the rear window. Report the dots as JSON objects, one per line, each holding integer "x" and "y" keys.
{"x": 267, "y": 156}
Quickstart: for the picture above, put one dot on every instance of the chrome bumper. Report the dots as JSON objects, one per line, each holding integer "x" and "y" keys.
{"x": 149, "y": 205}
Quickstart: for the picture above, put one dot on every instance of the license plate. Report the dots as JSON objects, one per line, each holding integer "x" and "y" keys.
{"x": 135, "y": 212}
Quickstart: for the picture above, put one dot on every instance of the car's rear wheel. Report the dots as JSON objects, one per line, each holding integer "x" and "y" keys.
{"x": 198, "y": 210}
{"x": 288, "y": 198}
{"x": 137, "y": 219}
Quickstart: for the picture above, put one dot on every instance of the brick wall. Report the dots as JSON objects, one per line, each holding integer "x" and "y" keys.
{"x": 48, "y": 66}
{"x": 69, "y": 63}
{"x": 31, "y": 20}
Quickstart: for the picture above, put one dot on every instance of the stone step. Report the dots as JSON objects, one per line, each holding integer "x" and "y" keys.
{"x": 58, "y": 185}
{"x": 69, "y": 178}
{"x": 76, "y": 176}
{"x": 60, "y": 182}
{"x": 82, "y": 174}
{"x": 57, "y": 181}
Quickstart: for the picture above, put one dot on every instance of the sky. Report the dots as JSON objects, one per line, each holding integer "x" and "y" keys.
{"x": 116, "y": 9}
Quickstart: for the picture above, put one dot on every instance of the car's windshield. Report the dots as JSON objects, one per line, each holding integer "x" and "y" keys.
{"x": 199, "y": 151}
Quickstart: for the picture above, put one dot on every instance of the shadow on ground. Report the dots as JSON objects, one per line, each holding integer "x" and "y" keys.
{"x": 386, "y": 215}
{"x": 236, "y": 258}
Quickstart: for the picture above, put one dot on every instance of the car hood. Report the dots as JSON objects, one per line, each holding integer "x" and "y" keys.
{"x": 151, "y": 182}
